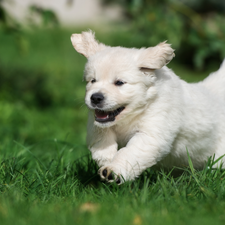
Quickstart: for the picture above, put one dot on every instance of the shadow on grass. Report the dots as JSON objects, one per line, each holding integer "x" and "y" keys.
{"x": 86, "y": 171}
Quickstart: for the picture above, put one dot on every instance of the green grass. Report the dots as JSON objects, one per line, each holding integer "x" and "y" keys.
{"x": 59, "y": 189}
{"x": 46, "y": 172}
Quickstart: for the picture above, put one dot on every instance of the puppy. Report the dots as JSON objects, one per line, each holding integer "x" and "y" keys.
{"x": 142, "y": 115}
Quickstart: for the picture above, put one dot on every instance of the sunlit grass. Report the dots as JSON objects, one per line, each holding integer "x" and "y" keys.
{"x": 58, "y": 187}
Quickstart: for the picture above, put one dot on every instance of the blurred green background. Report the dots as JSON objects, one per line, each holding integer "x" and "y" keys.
{"x": 41, "y": 88}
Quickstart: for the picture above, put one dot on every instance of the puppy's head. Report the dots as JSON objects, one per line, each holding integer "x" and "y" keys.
{"x": 120, "y": 81}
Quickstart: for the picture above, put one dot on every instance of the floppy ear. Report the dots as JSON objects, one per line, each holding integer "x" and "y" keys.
{"x": 156, "y": 57}
{"x": 86, "y": 44}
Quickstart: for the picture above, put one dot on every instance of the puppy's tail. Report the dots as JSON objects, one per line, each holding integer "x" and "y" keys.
{"x": 215, "y": 82}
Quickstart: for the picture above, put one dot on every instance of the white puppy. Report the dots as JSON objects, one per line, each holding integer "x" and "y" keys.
{"x": 142, "y": 114}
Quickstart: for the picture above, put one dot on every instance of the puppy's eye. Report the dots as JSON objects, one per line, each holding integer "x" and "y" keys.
{"x": 93, "y": 81}
{"x": 119, "y": 83}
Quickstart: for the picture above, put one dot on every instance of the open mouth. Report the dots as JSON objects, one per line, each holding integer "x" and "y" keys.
{"x": 107, "y": 116}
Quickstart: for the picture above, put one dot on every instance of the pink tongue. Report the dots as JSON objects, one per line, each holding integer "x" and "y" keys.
{"x": 101, "y": 114}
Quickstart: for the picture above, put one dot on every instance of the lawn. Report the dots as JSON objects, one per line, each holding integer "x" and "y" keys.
{"x": 46, "y": 172}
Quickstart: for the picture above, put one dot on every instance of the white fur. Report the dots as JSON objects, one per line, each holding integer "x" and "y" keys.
{"x": 163, "y": 117}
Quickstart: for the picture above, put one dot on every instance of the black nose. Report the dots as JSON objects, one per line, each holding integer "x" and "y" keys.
{"x": 97, "y": 98}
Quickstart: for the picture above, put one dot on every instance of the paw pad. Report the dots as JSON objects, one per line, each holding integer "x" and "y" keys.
{"x": 104, "y": 172}
{"x": 118, "y": 181}
{"x": 110, "y": 176}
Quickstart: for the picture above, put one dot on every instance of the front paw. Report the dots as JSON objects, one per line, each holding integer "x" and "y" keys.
{"x": 102, "y": 160}
{"x": 108, "y": 174}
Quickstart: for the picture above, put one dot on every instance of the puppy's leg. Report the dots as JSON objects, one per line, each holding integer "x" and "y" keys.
{"x": 101, "y": 142}
{"x": 141, "y": 152}
{"x": 103, "y": 152}
{"x": 103, "y": 147}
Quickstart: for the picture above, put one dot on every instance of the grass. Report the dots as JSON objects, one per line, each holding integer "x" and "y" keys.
{"x": 57, "y": 189}
{"x": 46, "y": 172}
